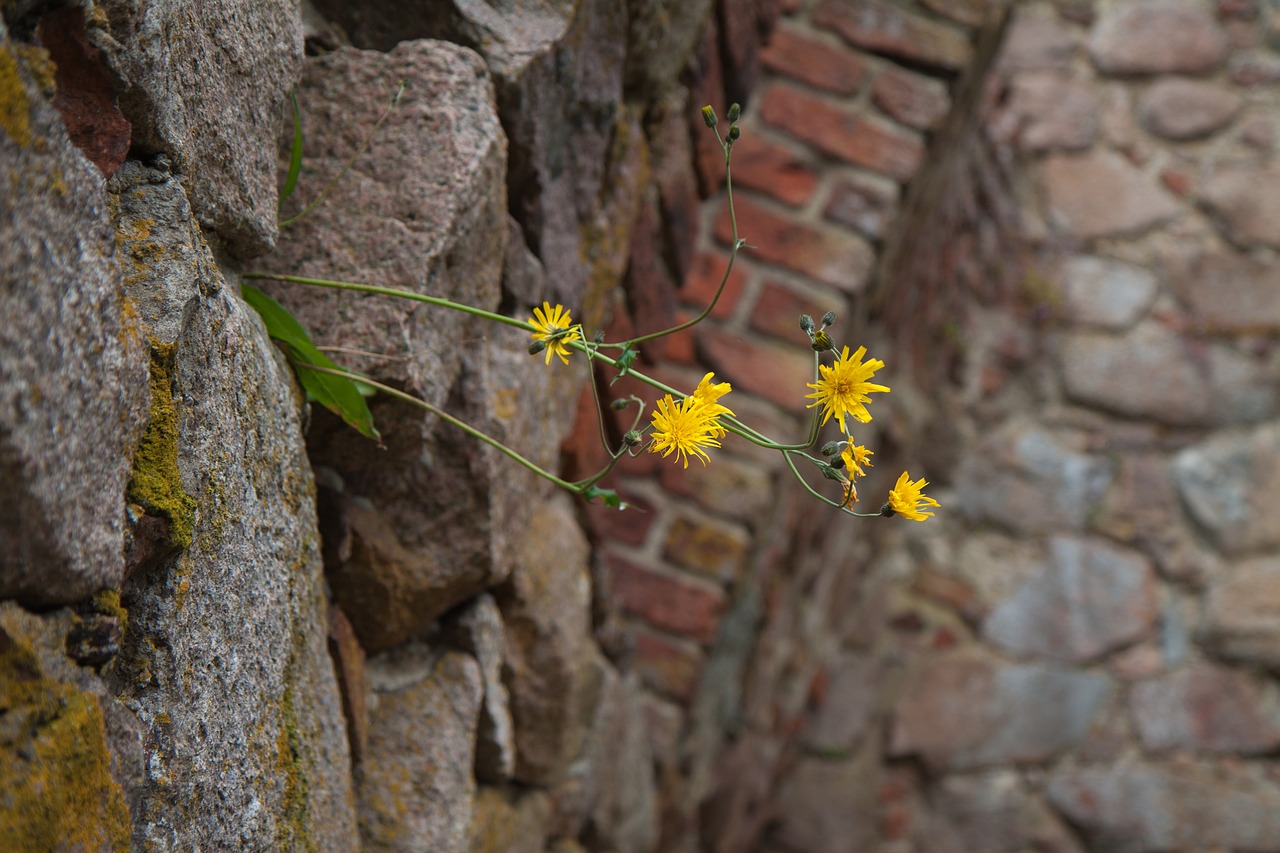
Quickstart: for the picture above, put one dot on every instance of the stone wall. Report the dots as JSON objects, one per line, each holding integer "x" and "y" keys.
{"x": 229, "y": 621}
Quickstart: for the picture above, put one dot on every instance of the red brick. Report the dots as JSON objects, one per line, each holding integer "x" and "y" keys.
{"x": 740, "y": 47}
{"x": 581, "y": 451}
{"x": 668, "y": 665}
{"x": 814, "y": 62}
{"x": 682, "y": 346}
{"x": 717, "y": 551}
{"x": 827, "y": 254}
{"x": 913, "y": 99}
{"x": 680, "y": 605}
{"x": 626, "y": 527}
{"x": 842, "y": 132}
{"x": 650, "y": 289}
{"x": 772, "y": 169}
{"x": 674, "y": 175}
{"x": 774, "y": 372}
{"x": 881, "y": 28}
{"x": 703, "y": 279}
{"x": 863, "y": 205}
{"x": 777, "y": 312}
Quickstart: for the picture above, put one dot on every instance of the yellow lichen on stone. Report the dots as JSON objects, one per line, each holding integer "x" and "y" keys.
{"x": 56, "y": 790}
{"x": 14, "y": 106}
{"x": 156, "y": 483}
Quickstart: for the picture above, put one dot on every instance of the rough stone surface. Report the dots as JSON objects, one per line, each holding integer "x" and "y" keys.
{"x": 1187, "y": 109}
{"x": 1229, "y": 486}
{"x": 74, "y": 368}
{"x": 499, "y": 825}
{"x": 1242, "y": 614}
{"x": 1147, "y": 807}
{"x": 1106, "y": 292}
{"x": 1054, "y": 112}
{"x": 992, "y": 812}
{"x": 1207, "y": 708}
{"x": 960, "y": 711}
{"x": 852, "y": 698}
{"x": 623, "y": 814}
{"x": 1157, "y": 37}
{"x": 1245, "y": 296}
{"x": 1027, "y": 479}
{"x": 1101, "y": 194}
{"x": 546, "y": 609}
{"x": 480, "y": 632}
{"x": 829, "y": 806}
{"x": 1091, "y": 598}
{"x": 422, "y": 210}
{"x": 1154, "y": 372}
{"x": 241, "y": 612}
{"x": 415, "y": 784}
{"x": 205, "y": 90}
{"x": 1037, "y": 39}
{"x": 1246, "y": 202}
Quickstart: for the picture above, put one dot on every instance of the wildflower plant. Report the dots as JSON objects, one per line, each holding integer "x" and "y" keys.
{"x": 681, "y": 426}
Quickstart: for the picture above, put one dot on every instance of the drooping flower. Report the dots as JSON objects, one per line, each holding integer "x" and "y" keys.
{"x": 555, "y": 329}
{"x": 710, "y": 392}
{"x": 855, "y": 457}
{"x": 843, "y": 387}
{"x": 688, "y": 426}
{"x": 906, "y": 498}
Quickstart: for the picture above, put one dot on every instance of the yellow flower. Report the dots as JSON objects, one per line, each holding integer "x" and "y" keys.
{"x": 906, "y": 498}
{"x": 687, "y": 426}
{"x": 855, "y": 457}
{"x": 555, "y": 328}
{"x": 842, "y": 388}
{"x": 709, "y": 392}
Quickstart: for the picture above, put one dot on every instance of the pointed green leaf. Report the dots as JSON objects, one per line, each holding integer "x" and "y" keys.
{"x": 295, "y": 154}
{"x": 608, "y": 496}
{"x": 338, "y": 394}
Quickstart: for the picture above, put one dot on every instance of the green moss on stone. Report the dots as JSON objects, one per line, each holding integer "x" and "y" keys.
{"x": 14, "y": 107}
{"x": 156, "y": 481}
{"x": 56, "y": 790}
{"x": 291, "y": 765}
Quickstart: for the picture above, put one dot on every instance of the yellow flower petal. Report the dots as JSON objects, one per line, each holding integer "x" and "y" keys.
{"x": 906, "y": 498}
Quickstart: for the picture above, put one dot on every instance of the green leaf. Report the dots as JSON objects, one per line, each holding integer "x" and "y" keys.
{"x": 609, "y": 496}
{"x": 624, "y": 362}
{"x": 338, "y": 394}
{"x": 295, "y": 154}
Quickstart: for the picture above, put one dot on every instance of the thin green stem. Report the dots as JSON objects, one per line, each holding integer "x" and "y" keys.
{"x": 447, "y": 418}
{"x": 826, "y": 500}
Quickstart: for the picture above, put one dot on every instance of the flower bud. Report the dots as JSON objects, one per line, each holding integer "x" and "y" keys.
{"x": 831, "y": 448}
{"x": 599, "y": 336}
{"x": 537, "y": 347}
{"x": 828, "y": 318}
{"x": 806, "y": 323}
{"x": 831, "y": 473}
{"x": 734, "y": 133}
{"x": 619, "y": 405}
{"x": 632, "y": 438}
{"x": 821, "y": 341}
{"x": 735, "y": 111}
{"x": 709, "y": 116}
{"x": 887, "y": 510}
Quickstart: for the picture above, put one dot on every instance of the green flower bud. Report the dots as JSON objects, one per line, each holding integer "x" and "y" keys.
{"x": 821, "y": 341}
{"x": 831, "y": 473}
{"x": 828, "y": 318}
{"x": 887, "y": 510}
{"x": 709, "y": 116}
{"x": 806, "y": 323}
{"x": 537, "y": 347}
{"x": 831, "y": 448}
{"x": 734, "y": 133}
{"x": 735, "y": 111}
{"x": 632, "y": 438}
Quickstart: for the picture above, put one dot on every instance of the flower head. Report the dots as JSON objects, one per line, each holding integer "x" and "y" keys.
{"x": 690, "y": 425}
{"x": 842, "y": 388}
{"x": 906, "y": 498}
{"x": 555, "y": 329}
{"x": 855, "y": 458}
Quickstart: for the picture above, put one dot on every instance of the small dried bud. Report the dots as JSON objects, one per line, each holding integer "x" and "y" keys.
{"x": 831, "y": 448}
{"x": 828, "y": 318}
{"x": 619, "y": 405}
{"x": 537, "y": 347}
{"x": 632, "y": 438}
{"x": 709, "y": 116}
{"x": 806, "y": 323}
{"x": 734, "y": 133}
{"x": 599, "y": 336}
{"x": 821, "y": 341}
{"x": 735, "y": 112}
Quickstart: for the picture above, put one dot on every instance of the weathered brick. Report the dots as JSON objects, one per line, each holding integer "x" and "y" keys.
{"x": 727, "y": 486}
{"x": 842, "y": 132}
{"x": 773, "y": 169}
{"x": 793, "y": 54}
{"x": 913, "y": 99}
{"x": 882, "y": 28}
{"x": 826, "y": 254}
{"x": 668, "y": 665}
{"x": 673, "y": 173}
{"x": 774, "y": 372}
{"x": 680, "y": 605}
{"x": 703, "y": 279}
{"x": 864, "y": 204}
{"x": 714, "y": 550}
{"x": 778, "y": 308}
{"x": 649, "y": 287}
